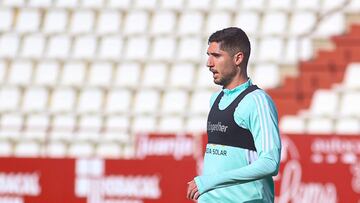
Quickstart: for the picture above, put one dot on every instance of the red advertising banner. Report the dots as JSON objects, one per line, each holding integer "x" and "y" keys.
{"x": 319, "y": 168}
{"x": 94, "y": 180}
{"x": 313, "y": 169}
{"x": 25, "y": 180}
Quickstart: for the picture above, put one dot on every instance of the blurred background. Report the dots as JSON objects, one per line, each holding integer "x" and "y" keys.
{"x": 84, "y": 79}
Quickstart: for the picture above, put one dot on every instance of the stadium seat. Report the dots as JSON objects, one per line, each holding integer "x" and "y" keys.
{"x": 66, "y": 4}
{"x": 308, "y": 5}
{"x": 320, "y": 125}
{"x": 27, "y": 149}
{"x": 89, "y": 128}
{"x": 171, "y": 124}
{"x": 9, "y": 45}
{"x": 154, "y": 75}
{"x": 185, "y": 53}
{"x": 217, "y": 21}
{"x": 62, "y": 128}
{"x": 36, "y": 127}
{"x": 73, "y": 74}
{"x": 84, "y": 47}
{"x": 10, "y": 98}
{"x": 39, "y": 3}
{"x": 347, "y": 125}
{"x": 116, "y": 124}
{"x": 55, "y": 21}
{"x": 117, "y": 136}
{"x": 333, "y": 24}
{"x": 249, "y": 20}
{"x": 11, "y": 125}
{"x": 163, "y": 22}
{"x": 56, "y": 149}
{"x": 20, "y": 73}
{"x": 110, "y": 48}
{"x": 126, "y": 78}
{"x": 62, "y": 100}
{"x": 146, "y": 101}
{"x": 266, "y": 75}
{"x": 143, "y": 124}
{"x": 177, "y": 75}
{"x": 199, "y": 5}
{"x": 90, "y": 101}
{"x": 196, "y": 124}
{"x": 324, "y": 103}
{"x": 137, "y": 48}
{"x": 47, "y": 73}
{"x": 108, "y": 150}
{"x": 190, "y": 22}
{"x": 283, "y": 5}
{"x": 118, "y": 101}
{"x": 292, "y": 124}
{"x": 256, "y": 5}
{"x": 92, "y": 4}
{"x": 122, "y": 5}
{"x": 276, "y": 44}
{"x": 145, "y": 4}
{"x": 6, "y": 149}
{"x": 28, "y": 21}
{"x": 13, "y": 3}
{"x": 351, "y": 76}
{"x": 100, "y": 74}
{"x": 297, "y": 25}
{"x": 3, "y": 70}
{"x": 82, "y": 22}
{"x": 229, "y": 5}
{"x": 35, "y": 100}
{"x": 349, "y": 104}
{"x": 172, "y": 5}
{"x": 174, "y": 101}
{"x": 141, "y": 19}
{"x": 108, "y": 22}
{"x": 6, "y": 15}
{"x": 163, "y": 48}
{"x": 81, "y": 149}
{"x": 58, "y": 47}
{"x": 268, "y": 27}
{"x": 204, "y": 78}
{"x": 199, "y": 103}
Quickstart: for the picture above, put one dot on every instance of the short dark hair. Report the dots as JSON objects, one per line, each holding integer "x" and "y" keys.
{"x": 232, "y": 40}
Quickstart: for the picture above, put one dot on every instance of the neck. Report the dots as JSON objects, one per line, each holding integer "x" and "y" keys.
{"x": 236, "y": 82}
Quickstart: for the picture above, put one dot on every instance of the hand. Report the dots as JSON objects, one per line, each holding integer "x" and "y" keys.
{"x": 192, "y": 191}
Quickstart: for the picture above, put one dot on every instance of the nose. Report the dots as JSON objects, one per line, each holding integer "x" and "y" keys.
{"x": 210, "y": 62}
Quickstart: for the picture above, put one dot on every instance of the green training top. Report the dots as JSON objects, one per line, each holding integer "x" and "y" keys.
{"x": 232, "y": 174}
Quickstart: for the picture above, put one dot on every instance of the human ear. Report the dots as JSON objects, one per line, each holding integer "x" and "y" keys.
{"x": 238, "y": 58}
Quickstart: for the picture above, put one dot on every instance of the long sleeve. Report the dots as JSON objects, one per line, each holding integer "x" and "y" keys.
{"x": 260, "y": 117}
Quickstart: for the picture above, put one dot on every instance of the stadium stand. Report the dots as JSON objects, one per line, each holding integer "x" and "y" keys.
{"x": 81, "y": 78}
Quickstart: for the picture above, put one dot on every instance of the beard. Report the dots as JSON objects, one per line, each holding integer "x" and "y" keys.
{"x": 224, "y": 80}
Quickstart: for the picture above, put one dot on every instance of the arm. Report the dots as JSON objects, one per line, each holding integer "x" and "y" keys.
{"x": 260, "y": 117}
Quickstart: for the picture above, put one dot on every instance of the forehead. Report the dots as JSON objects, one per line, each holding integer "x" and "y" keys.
{"x": 214, "y": 47}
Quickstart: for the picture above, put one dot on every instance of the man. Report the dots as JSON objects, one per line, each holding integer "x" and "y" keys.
{"x": 243, "y": 150}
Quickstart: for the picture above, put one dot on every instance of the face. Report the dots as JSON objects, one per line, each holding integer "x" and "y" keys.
{"x": 221, "y": 64}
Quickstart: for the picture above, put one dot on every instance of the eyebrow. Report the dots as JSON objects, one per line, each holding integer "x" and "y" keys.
{"x": 213, "y": 53}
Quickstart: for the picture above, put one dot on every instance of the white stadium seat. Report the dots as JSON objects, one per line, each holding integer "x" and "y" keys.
{"x": 28, "y": 20}
{"x": 163, "y": 22}
{"x": 118, "y": 101}
{"x": 55, "y": 21}
{"x": 82, "y": 22}
{"x": 47, "y": 73}
{"x": 108, "y": 22}
{"x": 6, "y": 16}
{"x": 155, "y": 75}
